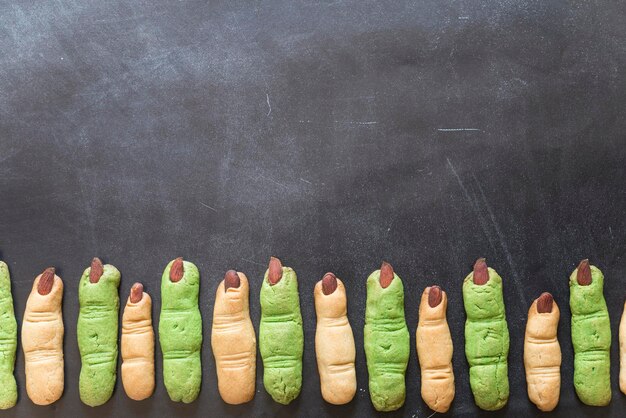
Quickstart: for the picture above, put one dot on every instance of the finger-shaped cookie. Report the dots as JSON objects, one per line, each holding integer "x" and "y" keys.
{"x": 281, "y": 338}
{"x": 622, "y": 352}
{"x": 486, "y": 337}
{"x": 434, "y": 350}
{"x": 97, "y": 332}
{"x": 542, "y": 353}
{"x": 334, "y": 341}
{"x": 180, "y": 330}
{"x": 137, "y": 345}
{"x": 8, "y": 341}
{"x": 233, "y": 340}
{"x": 42, "y": 339}
{"x": 386, "y": 339}
{"x": 591, "y": 335}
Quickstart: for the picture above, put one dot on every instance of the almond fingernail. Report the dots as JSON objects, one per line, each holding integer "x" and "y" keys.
{"x": 275, "y": 271}
{"x": 46, "y": 281}
{"x": 136, "y": 293}
{"x": 329, "y": 283}
{"x": 435, "y": 296}
{"x": 231, "y": 279}
{"x": 583, "y": 276}
{"x": 386, "y": 275}
{"x": 544, "y": 303}
{"x": 96, "y": 271}
{"x": 177, "y": 270}
{"x": 481, "y": 274}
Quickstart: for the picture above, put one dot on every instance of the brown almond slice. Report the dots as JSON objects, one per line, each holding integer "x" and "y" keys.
{"x": 481, "y": 273}
{"x": 96, "y": 271}
{"x": 275, "y": 271}
{"x": 583, "y": 275}
{"x": 386, "y": 275}
{"x": 46, "y": 281}
{"x": 435, "y": 296}
{"x": 136, "y": 293}
{"x": 544, "y": 303}
{"x": 177, "y": 270}
{"x": 329, "y": 283}
{"x": 231, "y": 279}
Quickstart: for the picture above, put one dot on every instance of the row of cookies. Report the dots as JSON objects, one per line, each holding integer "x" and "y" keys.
{"x": 281, "y": 340}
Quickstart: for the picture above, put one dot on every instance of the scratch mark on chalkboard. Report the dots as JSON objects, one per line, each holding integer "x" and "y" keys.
{"x": 306, "y": 181}
{"x": 474, "y": 205}
{"x": 611, "y": 232}
{"x": 518, "y": 282}
{"x": 272, "y": 180}
{"x": 267, "y": 99}
{"x": 463, "y": 17}
{"x": 253, "y": 262}
{"x": 351, "y": 122}
{"x": 209, "y": 207}
{"x": 457, "y": 129}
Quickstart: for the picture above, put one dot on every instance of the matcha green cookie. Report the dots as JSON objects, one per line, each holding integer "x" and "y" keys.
{"x": 386, "y": 339}
{"x": 8, "y": 341}
{"x": 97, "y": 332}
{"x": 180, "y": 330}
{"x": 591, "y": 335}
{"x": 486, "y": 337}
{"x": 281, "y": 339}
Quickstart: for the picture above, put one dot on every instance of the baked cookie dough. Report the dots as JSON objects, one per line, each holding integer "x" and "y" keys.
{"x": 622, "y": 352}
{"x": 386, "y": 339}
{"x": 42, "y": 339}
{"x": 486, "y": 337}
{"x": 8, "y": 337}
{"x": 334, "y": 341}
{"x": 542, "y": 353}
{"x": 434, "y": 350}
{"x": 137, "y": 345}
{"x": 281, "y": 338}
{"x": 97, "y": 332}
{"x": 180, "y": 330}
{"x": 591, "y": 335}
{"x": 233, "y": 340}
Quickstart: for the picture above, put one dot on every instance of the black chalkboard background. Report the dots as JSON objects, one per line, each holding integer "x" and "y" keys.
{"x": 330, "y": 134}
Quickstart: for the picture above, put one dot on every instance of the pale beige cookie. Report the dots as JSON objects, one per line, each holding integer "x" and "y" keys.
{"x": 542, "y": 353}
{"x": 434, "y": 350}
{"x": 622, "y": 352}
{"x": 42, "y": 339}
{"x": 334, "y": 341}
{"x": 137, "y": 345}
{"x": 233, "y": 340}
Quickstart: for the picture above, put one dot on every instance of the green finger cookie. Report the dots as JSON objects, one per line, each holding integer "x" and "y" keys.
{"x": 386, "y": 339}
{"x": 281, "y": 338}
{"x": 180, "y": 330}
{"x": 97, "y": 332}
{"x": 591, "y": 335}
{"x": 8, "y": 341}
{"x": 486, "y": 337}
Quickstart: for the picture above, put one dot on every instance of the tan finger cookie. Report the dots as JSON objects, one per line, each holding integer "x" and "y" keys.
{"x": 542, "y": 353}
{"x": 42, "y": 339}
{"x": 334, "y": 341}
{"x": 233, "y": 340}
{"x": 434, "y": 350}
{"x": 137, "y": 345}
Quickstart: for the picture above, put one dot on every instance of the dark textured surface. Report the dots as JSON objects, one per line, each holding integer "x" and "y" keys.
{"x": 330, "y": 134}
